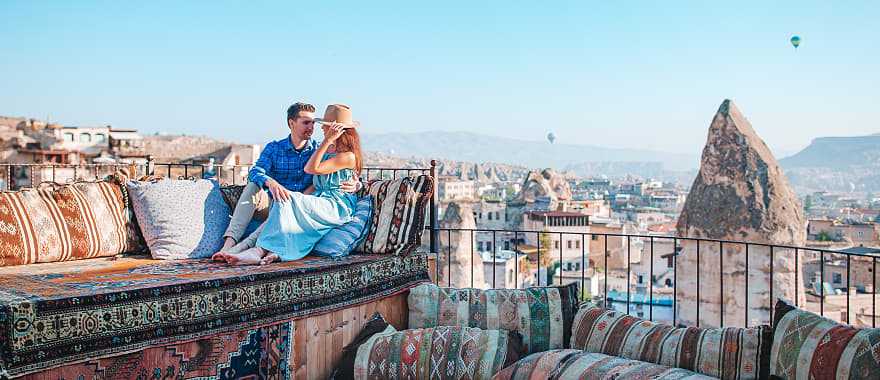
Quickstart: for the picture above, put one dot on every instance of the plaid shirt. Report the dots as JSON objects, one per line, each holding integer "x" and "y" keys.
{"x": 284, "y": 164}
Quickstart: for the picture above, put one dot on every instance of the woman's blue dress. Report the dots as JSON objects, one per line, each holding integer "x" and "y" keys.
{"x": 294, "y": 227}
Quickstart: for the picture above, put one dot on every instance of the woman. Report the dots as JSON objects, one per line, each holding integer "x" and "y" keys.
{"x": 295, "y": 226}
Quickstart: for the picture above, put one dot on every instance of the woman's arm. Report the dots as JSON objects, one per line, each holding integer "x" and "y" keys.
{"x": 344, "y": 160}
{"x": 309, "y": 190}
{"x": 315, "y": 166}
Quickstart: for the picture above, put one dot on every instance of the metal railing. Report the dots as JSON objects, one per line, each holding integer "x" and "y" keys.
{"x": 551, "y": 270}
{"x": 27, "y": 175}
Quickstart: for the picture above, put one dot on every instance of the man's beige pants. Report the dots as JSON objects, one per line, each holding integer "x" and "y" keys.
{"x": 254, "y": 203}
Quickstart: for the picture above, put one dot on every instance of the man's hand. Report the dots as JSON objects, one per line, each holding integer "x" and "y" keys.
{"x": 279, "y": 193}
{"x": 350, "y": 186}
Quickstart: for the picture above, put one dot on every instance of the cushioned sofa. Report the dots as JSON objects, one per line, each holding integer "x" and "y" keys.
{"x": 540, "y": 333}
{"x": 81, "y": 298}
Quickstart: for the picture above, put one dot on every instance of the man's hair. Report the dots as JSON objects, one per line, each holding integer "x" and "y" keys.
{"x": 296, "y": 108}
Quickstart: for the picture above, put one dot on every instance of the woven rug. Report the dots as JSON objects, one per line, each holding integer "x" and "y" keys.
{"x": 58, "y": 313}
{"x": 261, "y": 353}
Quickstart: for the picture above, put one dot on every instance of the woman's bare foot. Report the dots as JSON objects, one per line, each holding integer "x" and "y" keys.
{"x": 222, "y": 253}
{"x": 252, "y": 256}
{"x": 269, "y": 258}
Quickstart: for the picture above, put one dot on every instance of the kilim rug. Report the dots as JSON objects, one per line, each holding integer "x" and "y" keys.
{"x": 261, "y": 353}
{"x": 60, "y": 313}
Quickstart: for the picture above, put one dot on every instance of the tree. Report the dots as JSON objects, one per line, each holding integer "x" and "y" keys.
{"x": 546, "y": 242}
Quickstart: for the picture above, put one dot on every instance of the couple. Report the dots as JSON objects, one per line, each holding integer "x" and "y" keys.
{"x": 310, "y": 189}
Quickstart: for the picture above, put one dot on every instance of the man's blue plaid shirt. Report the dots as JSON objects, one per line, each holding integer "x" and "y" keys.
{"x": 284, "y": 164}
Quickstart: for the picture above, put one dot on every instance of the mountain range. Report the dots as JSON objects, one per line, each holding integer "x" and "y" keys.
{"x": 473, "y": 147}
{"x": 836, "y": 164}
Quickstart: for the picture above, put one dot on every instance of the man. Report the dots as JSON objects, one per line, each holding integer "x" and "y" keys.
{"x": 278, "y": 170}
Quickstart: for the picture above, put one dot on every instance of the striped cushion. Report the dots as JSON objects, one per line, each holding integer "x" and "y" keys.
{"x": 577, "y": 364}
{"x": 399, "y": 208}
{"x": 341, "y": 240}
{"x": 542, "y": 315}
{"x": 60, "y": 223}
{"x": 443, "y": 352}
{"x": 808, "y": 346}
{"x": 725, "y": 353}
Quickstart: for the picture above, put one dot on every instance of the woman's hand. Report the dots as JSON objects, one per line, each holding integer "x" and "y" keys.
{"x": 334, "y": 131}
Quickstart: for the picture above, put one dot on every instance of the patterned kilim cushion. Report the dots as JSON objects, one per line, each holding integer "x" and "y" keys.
{"x": 576, "y": 364}
{"x": 341, "y": 240}
{"x": 808, "y": 346}
{"x": 399, "y": 208}
{"x": 542, "y": 315}
{"x": 443, "y": 352}
{"x": 725, "y": 353}
{"x": 60, "y": 223}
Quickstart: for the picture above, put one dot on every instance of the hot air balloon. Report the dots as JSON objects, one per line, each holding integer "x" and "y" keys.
{"x": 795, "y": 41}
{"x": 551, "y": 137}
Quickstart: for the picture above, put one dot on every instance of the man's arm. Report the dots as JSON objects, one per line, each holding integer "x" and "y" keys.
{"x": 351, "y": 186}
{"x": 259, "y": 172}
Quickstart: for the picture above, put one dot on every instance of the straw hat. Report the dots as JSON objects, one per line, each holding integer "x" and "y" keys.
{"x": 339, "y": 114}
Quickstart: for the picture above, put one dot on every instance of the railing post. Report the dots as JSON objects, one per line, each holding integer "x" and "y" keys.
{"x": 433, "y": 212}
{"x": 148, "y": 167}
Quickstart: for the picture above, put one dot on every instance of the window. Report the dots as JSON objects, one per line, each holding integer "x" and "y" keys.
{"x": 837, "y": 278}
{"x": 641, "y": 279}
{"x": 577, "y": 244}
{"x": 85, "y": 137}
{"x": 490, "y": 215}
{"x": 594, "y": 237}
{"x": 479, "y": 246}
{"x": 497, "y": 215}
{"x": 569, "y": 244}
{"x": 100, "y": 137}
{"x": 556, "y": 244}
{"x": 861, "y": 233}
{"x": 507, "y": 245}
{"x": 669, "y": 260}
{"x": 68, "y": 137}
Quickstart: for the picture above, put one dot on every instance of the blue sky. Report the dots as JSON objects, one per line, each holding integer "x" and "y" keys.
{"x": 641, "y": 75}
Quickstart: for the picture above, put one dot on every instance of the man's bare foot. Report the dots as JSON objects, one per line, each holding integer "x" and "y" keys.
{"x": 252, "y": 256}
{"x": 220, "y": 255}
{"x": 269, "y": 258}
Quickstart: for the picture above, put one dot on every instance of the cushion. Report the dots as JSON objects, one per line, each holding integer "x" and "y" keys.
{"x": 340, "y": 241}
{"x": 345, "y": 367}
{"x": 63, "y": 222}
{"x": 576, "y": 364}
{"x": 725, "y": 353}
{"x": 808, "y": 346}
{"x": 399, "y": 208}
{"x": 444, "y": 352}
{"x": 542, "y": 315}
{"x": 180, "y": 219}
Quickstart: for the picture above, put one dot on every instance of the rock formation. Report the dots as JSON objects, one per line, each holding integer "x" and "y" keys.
{"x": 740, "y": 194}
{"x": 457, "y": 251}
{"x": 547, "y": 183}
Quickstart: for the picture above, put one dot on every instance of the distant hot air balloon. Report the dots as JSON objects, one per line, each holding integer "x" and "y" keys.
{"x": 795, "y": 41}
{"x": 551, "y": 137}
